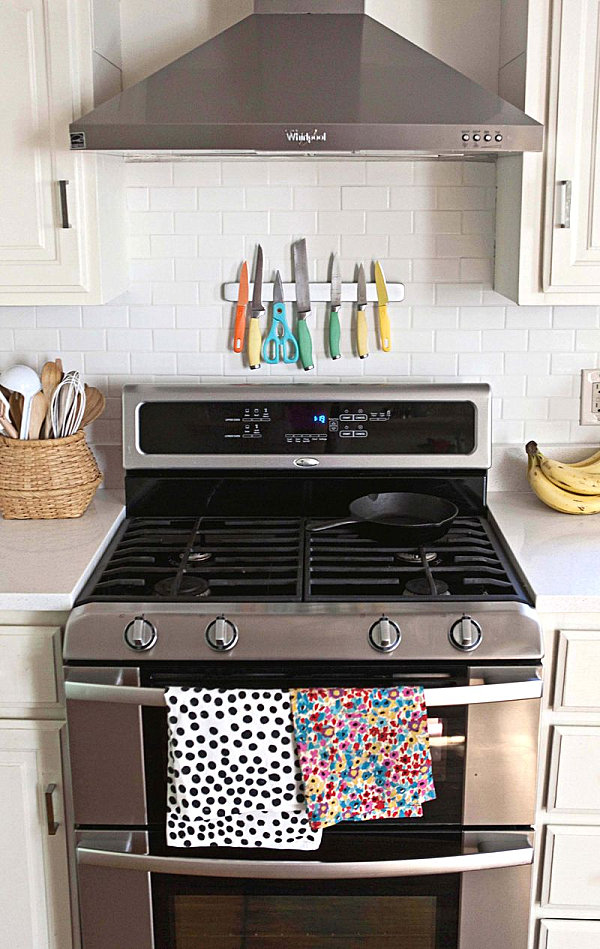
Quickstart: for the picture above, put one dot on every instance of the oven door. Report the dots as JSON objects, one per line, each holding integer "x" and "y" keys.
{"x": 483, "y": 726}
{"x": 366, "y": 889}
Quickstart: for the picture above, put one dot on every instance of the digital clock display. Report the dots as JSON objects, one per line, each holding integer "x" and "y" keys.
{"x": 320, "y": 419}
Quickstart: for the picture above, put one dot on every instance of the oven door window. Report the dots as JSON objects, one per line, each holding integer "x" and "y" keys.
{"x": 400, "y": 913}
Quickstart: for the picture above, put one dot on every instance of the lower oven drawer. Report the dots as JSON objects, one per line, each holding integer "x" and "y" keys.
{"x": 365, "y": 891}
{"x": 484, "y": 738}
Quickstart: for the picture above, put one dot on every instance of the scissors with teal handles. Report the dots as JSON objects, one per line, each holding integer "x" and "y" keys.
{"x": 280, "y": 343}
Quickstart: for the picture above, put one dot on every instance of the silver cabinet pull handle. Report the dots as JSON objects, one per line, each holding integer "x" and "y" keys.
{"x": 64, "y": 204}
{"x": 306, "y": 870}
{"x": 50, "y": 822}
{"x": 563, "y": 218}
{"x": 455, "y": 695}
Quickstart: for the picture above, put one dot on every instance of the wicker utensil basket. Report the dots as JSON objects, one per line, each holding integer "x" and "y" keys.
{"x": 47, "y": 478}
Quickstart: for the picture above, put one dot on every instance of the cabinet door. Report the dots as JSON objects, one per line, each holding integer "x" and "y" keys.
{"x": 34, "y": 880}
{"x": 36, "y": 104}
{"x": 573, "y": 137}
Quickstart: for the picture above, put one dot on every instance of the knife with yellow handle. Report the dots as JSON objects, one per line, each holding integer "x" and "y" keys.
{"x": 254, "y": 336}
{"x": 385, "y": 332}
{"x": 362, "y": 343}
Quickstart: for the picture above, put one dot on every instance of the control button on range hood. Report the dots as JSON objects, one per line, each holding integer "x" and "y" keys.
{"x": 285, "y": 81}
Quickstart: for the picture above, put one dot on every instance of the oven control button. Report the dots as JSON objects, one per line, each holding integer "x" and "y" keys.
{"x": 140, "y": 634}
{"x": 465, "y": 633}
{"x": 221, "y": 634}
{"x": 384, "y": 635}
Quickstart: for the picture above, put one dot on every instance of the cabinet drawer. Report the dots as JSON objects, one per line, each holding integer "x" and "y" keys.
{"x": 28, "y": 667}
{"x": 569, "y": 933}
{"x": 574, "y": 781}
{"x": 571, "y": 876}
{"x": 578, "y": 671}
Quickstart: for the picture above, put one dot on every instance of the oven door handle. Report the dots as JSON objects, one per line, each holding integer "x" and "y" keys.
{"x": 520, "y": 854}
{"x": 456, "y": 695}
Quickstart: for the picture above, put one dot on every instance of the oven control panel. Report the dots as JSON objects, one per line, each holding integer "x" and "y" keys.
{"x": 321, "y": 427}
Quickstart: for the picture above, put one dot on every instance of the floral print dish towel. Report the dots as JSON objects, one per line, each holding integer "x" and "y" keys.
{"x": 364, "y": 753}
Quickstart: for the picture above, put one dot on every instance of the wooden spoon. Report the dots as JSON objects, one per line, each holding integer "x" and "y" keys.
{"x": 16, "y": 408}
{"x": 6, "y": 423}
{"x": 94, "y": 405}
{"x": 51, "y": 376}
{"x": 39, "y": 407}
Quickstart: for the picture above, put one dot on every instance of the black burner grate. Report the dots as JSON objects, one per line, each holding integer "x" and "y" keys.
{"x": 273, "y": 559}
{"x": 174, "y": 559}
{"x": 468, "y": 564}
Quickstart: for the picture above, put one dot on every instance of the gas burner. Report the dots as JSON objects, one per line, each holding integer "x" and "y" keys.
{"x": 422, "y": 587}
{"x": 198, "y": 556}
{"x": 188, "y": 586}
{"x": 415, "y": 556}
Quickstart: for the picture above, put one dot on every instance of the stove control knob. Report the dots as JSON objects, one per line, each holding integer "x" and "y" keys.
{"x": 465, "y": 633}
{"x": 140, "y": 634}
{"x": 221, "y": 634}
{"x": 385, "y": 635}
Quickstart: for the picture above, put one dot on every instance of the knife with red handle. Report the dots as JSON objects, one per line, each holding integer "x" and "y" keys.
{"x": 240, "y": 311}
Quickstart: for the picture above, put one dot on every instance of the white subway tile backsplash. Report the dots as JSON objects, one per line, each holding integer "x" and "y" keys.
{"x": 437, "y": 222}
{"x": 389, "y": 222}
{"x": 413, "y": 198}
{"x": 431, "y": 223}
{"x": 173, "y": 199}
{"x": 197, "y": 173}
{"x": 82, "y": 340}
{"x": 365, "y": 199}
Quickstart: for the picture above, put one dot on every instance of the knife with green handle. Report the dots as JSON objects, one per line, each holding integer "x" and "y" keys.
{"x": 303, "y": 304}
{"x": 336, "y": 302}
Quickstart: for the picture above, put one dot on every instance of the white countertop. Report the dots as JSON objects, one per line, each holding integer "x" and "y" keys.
{"x": 44, "y": 564}
{"x": 558, "y": 554}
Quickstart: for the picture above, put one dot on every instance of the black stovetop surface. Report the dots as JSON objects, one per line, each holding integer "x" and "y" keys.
{"x": 266, "y": 559}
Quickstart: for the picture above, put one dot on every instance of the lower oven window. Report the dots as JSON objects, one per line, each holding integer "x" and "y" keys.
{"x": 272, "y": 914}
{"x": 408, "y": 912}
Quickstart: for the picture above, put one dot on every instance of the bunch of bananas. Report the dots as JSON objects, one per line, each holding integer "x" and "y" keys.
{"x": 569, "y": 488}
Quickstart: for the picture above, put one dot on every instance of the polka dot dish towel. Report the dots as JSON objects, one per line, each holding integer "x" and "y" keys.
{"x": 364, "y": 753}
{"x": 233, "y": 774}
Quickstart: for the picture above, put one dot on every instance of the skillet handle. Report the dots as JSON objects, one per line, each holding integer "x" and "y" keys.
{"x": 330, "y": 524}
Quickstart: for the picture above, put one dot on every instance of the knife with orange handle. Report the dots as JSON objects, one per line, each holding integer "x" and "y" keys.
{"x": 385, "y": 331}
{"x": 240, "y": 311}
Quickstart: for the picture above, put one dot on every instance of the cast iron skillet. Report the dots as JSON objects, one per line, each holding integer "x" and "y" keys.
{"x": 398, "y": 518}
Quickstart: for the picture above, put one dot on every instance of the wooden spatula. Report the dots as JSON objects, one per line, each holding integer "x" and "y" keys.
{"x": 39, "y": 407}
{"x": 6, "y": 423}
{"x": 51, "y": 375}
{"x": 94, "y": 405}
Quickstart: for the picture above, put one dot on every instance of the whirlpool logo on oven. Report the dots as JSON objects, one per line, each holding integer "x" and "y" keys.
{"x": 305, "y": 138}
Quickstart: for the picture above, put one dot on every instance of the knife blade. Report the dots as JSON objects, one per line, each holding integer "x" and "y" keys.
{"x": 254, "y": 337}
{"x": 303, "y": 303}
{"x": 385, "y": 332}
{"x": 361, "y": 316}
{"x": 240, "y": 311}
{"x": 336, "y": 301}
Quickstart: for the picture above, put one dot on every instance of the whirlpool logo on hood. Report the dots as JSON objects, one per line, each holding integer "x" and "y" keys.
{"x": 305, "y": 138}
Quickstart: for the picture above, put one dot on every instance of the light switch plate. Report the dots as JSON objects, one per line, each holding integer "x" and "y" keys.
{"x": 589, "y": 413}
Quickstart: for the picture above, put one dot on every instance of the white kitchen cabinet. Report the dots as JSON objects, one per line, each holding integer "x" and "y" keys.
{"x": 34, "y": 877}
{"x": 569, "y": 934}
{"x": 548, "y": 206}
{"x": 574, "y": 780}
{"x": 61, "y": 213}
{"x": 577, "y": 687}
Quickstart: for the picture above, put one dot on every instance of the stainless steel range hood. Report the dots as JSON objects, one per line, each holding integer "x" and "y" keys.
{"x": 288, "y": 82}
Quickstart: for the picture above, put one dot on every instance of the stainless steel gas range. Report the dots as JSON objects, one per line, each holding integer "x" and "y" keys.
{"x": 239, "y": 566}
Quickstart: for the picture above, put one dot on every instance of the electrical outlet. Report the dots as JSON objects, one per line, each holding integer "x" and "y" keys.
{"x": 589, "y": 413}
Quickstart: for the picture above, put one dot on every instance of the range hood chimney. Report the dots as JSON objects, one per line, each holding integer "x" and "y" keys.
{"x": 324, "y": 80}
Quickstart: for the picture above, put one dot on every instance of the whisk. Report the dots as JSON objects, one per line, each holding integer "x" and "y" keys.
{"x": 68, "y": 405}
